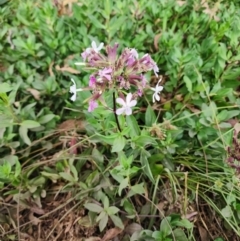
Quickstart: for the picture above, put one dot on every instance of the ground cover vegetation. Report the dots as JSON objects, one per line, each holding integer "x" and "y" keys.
{"x": 119, "y": 120}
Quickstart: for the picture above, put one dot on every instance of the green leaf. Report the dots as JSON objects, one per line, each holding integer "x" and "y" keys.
{"x": 108, "y": 7}
{"x": 118, "y": 144}
{"x": 17, "y": 169}
{"x": 46, "y": 118}
{"x": 96, "y": 22}
{"x": 188, "y": 83}
{"x": 112, "y": 210}
{"x": 115, "y": 22}
{"x": 23, "y": 132}
{"x": 5, "y": 170}
{"x": 159, "y": 235}
{"x": 184, "y": 223}
{"x": 145, "y": 164}
{"x": 5, "y": 87}
{"x": 67, "y": 176}
{"x": 93, "y": 207}
{"x": 179, "y": 235}
{"x": 222, "y": 116}
{"x": 150, "y": 116}
{"x": 106, "y": 139}
{"x": 37, "y": 181}
{"x": 105, "y": 202}
{"x": 97, "y": 155}
{"x": 165, "y": 226}
{"x": 227, "y": 212}
{"x": 103, "y": 222}
{"x": 5, "y": 121}
{"x": 223, "y": 92}
{"x": 3, "y": 1}
{"x": 132, "y": 123}
{"x": 233, "y": 113}
{"x": 117, "y": 221}
{"x": 142, "y": 141}
{"x": 123, "y": 184}
{"x": 30, "y": 124}
{"x": 52, "y": 176}
{"x": 74, "y": 171}
{"x": 138, "y": 188}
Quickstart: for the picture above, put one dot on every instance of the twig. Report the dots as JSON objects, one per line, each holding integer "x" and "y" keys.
{"x": 114, "y": 111}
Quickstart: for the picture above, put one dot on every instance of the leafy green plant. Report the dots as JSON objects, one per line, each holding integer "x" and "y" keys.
{"x": 171, "y": 228}
{"x": 104, "y": 213}
{"x": 172, "y": 151}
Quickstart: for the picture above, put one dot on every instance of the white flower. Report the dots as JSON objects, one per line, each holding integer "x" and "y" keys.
{"x": 157, "y": 90}
{"x": 74, "y": 90}
{"x": 94, "y": 46}
{"x": 126, "y": 106}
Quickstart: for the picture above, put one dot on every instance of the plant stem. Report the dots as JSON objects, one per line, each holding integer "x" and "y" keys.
{"x": 114, "y": 110}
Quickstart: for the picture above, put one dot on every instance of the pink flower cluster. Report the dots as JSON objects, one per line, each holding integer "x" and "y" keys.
{"x": 123, "y": 73}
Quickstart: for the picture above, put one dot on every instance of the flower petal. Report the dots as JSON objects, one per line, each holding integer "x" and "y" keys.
{"x": 159, "y": 88}
{"x": 74, "y": 96}
{"x": 128, "y": 98}
{"x": 120, "y": 111}
{"x": 92, "y": 105}
{"x": 153, "y": 89}
{"x": 120, "y": 101}
{"x": 94, "y": 45}
{"x": 128, "y": 111}
{"x": 73, "y": 82}
{"x": 157, "y": 97}
{"x": 100, "y": 46}
{"x": 153, "y": 98}
{"x": 132, "y": 103}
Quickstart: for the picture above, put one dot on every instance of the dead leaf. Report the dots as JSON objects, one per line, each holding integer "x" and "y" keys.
{"x": 111, "y": 233}
{"x": 212, "y": 12}
{"x": 233, "y": 122}
{"x": 35, "y": 93}
{"x": 69, "y": 57}
{"x": 178, "y": 97}
{"x": 237, "y": 128}
{"x": 156, "y": 38}
{"x": 50, "y": 69}
{"x": 72, "y": 124}
{"x": 181, "y": 3}
{"x": 34, "y": 220}
{"x": 25, "y": 236}
{"x": 68, "y": 2}
{"x": 193, "y": 109}
{"x": 93, "y": 239}
{"x": 203, "y": 233}
{"x": 69, "y": 224}
{"x": 190, "y": 216}
{"x": 37, "y": 210}
{"x": 132, "y": 228}
{"x": 67, "y": 69}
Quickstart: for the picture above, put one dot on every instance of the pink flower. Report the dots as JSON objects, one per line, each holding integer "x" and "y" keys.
{"x": 112, "y": 53}
{"x": 92, "y": 105}
{"x": 105, "y": 73}
{"x": 92, "y": 81}
{"x": 126, "y": 105}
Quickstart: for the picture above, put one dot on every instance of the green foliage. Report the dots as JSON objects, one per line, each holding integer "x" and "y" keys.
{"x": 170, "y": 229}
{"x": 180, "y": 142}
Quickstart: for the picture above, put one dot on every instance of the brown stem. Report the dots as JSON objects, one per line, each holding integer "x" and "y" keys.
{"x": 114, "y": 110}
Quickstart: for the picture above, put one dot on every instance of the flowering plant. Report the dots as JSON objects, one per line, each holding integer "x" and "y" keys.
{"x": 124, "y": 74}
